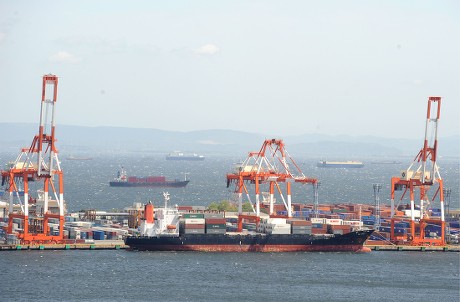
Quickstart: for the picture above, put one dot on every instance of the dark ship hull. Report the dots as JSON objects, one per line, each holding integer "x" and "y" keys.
{"x": 351, "y": 242}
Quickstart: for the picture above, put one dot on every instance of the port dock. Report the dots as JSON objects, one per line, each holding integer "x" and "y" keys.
{"x": 120, "y": 245}
{"x": 411, "y": 248}
{"x": 97, "y": 245}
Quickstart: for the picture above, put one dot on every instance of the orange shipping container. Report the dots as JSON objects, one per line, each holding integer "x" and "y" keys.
{"x": 216, "y": 221}
{"x": 298, "y": 222}
{"x": 194, "y": 226}
{"x": 318, "y": 231}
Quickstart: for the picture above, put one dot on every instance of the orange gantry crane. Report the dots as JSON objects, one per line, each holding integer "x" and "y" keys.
{"x": 270, "y": 166}
{"x": 38, "y": 164}
{"x": 422, "y": 174}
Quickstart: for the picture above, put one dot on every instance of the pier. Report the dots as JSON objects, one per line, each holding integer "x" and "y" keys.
{"x": 97, "y": 245}
{"x": 120, "y": 245}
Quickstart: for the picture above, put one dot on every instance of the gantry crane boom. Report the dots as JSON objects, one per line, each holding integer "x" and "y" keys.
{"x": 273, "y": 165}
{"x": 423, "y": 173}
{"x": 40, "y": 163}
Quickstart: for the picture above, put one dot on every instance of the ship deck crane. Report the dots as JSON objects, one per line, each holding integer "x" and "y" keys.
{"x": 422, "y": 174}
{"x": 39, "y": 163}
{"x": 271, "y": 166}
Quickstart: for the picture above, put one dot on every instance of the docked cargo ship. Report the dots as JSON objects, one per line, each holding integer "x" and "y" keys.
{"x": 122, "y": 180}
{"x": 184, "y": 156}
{"x": 339, "y": 164}
{"x": 166, "y": 229}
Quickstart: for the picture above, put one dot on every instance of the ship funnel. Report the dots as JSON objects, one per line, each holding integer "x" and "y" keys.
{"x": 148, "y": 213}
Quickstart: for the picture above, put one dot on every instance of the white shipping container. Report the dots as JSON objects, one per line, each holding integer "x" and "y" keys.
{"x": 195, "y": 221}
{"x": 278, "y": 229}
{"x": 281, "y": 231}
{"x": 318, "y": 220}
{"x": 334, "y": 221}
{"x": 355, "y": 223}
{"x": 416, "y": 213}
{"x": 276, "y": 221}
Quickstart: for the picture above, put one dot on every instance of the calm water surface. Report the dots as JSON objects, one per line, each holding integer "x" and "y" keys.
{"x": 191, "y": 276}
{"x": 167, "y": 276}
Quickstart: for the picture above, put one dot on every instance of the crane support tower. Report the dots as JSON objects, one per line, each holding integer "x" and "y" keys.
{"x": 422, "y": 174}
{"x": 271, "y": 166}
{"x": 38, "y": 167}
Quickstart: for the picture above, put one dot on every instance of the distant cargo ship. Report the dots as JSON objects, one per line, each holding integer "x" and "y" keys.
{"x": 122, "y": 180}
{"x": 184, "y": 156}
{"x": 78, "y": 158}
{"x": 386, "y": 162}
{"x": 340, "y": 164}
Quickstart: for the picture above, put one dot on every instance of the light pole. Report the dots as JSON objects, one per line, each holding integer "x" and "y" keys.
{"x": 316, "y": 186}
{"x": 446, "y": 192}
{"x": 377, "y": 188}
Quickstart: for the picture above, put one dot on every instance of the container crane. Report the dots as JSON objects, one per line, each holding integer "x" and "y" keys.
{"x": 38, "y": 163}
{"x": 271, "y": 165}
{"x": 422, "y": 174}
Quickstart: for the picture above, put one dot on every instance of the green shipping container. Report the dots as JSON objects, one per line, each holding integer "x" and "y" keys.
{"x": 193, "y": 215}
{"x": 216, "y": 226}
{"x": 339, "y": 210}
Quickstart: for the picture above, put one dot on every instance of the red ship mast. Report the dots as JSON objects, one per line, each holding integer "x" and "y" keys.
{"x": 272, "y": 165}
{"x": 423, "y": 173}
{"x": 38, "y": 163}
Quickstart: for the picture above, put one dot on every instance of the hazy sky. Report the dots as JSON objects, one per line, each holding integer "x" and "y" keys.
{"x": 270, "y": 67}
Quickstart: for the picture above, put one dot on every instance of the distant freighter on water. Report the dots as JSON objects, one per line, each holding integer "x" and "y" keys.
{"x": 184, "y": 156}
{"x": 122, "y": 180}
{"x": 78, "y": 158}
{"x": 339, "y": 164}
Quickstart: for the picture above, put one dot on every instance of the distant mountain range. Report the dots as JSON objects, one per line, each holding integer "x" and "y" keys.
{"x": 84, "y": 140}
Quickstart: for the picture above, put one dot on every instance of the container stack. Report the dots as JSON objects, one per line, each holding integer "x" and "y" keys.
{"x": 216, "y": 225}
{"x": 193, "y": 223}
{"x": 74, "y": 233}
{"x": 300, "y": 227}
{"x": 98, "y": 235}
{"x": 278, "y": 229}
{"x": 318, "y": 228}
{"x": 338, "y": 229}
{"x": 276, "y": 226}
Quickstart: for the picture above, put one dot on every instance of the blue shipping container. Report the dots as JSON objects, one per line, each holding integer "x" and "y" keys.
{"x": 98, "y": 235}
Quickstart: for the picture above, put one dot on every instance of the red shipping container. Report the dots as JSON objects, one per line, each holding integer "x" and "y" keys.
{"x": 299, "y": 222}
{"x": 216, "y": 221}
{"x": 185, "y": 208}
{"x": 194, "y": 226}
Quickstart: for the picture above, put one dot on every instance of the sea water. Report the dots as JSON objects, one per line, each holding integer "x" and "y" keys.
{"x": 119, "y": 275}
